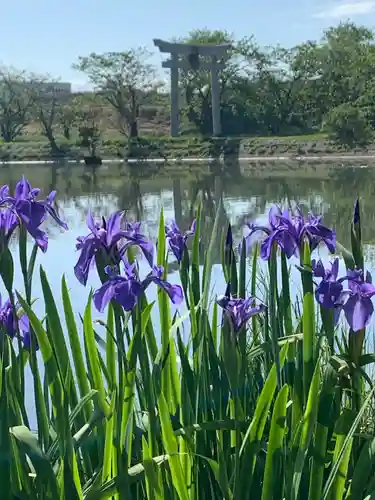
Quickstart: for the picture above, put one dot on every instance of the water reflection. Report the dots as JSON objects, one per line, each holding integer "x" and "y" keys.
{"x": 142, "y": 190}
{"x": 242, "y": 193}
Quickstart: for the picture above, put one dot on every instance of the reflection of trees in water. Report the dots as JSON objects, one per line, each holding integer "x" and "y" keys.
{"x": 344, "y": 187}
{"x": 209, "y": 192}
{"x": 105, "y": 189}
{"x": 90, "y": 177}
{"x": 334, "y": 197}
{"x": 130, "y": 198}
{"x": 177, "y": 202}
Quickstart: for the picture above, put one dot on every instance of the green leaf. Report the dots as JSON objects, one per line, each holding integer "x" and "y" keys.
{"x": 221, "y": 477}
{"x": 154, "y": 483}
{"x": 363, "y": 470}
{"x": 308, "y": 321}
{"x": 170, "y": 381}
{"x": 7, "y": 269}
{"x": 57, "y": 338}
{"x": 366, "y": 359}
{"x": 75, "y": 345}
{"x": 93, "y": 357}
{"x": 110, "y": 346}
{"x": 171, "y": 448}
{"x": 346, "y": 255}
{"x": 108, "y": 443}
{"x": 271, "y": 482}
{"x": 345, "y": 444}
{"x": 54, "y": 380}
{"x": 308, "y": 427}
{"x": 252, "y": 439}
{"x": 343, "y": 425}
{"x": 45, "y": 476}
{"x": 5, "y": 445}
{"x": 113, "y": 486}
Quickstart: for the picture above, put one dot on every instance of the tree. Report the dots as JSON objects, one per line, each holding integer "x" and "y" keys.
{"x": 88, "y": 111}
{"x": 348, "y": 125}
{"x": 123, "y": 79}
{"x": 338, "y": 66}
{"x": 46, "y": 108}
{"x": 68, "y": 118}
{"x": 15, "y": 104}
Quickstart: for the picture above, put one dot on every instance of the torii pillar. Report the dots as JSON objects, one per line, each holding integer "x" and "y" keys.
{"x": 189, "y": 54}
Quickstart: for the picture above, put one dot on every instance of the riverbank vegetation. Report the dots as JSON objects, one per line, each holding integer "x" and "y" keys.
{"x": 255, "y": 391}
{"x": 323, "y": 86}
{"x": 164, "y": 148}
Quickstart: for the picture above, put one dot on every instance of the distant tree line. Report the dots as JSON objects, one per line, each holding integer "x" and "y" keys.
{"x": 326, "y": 85}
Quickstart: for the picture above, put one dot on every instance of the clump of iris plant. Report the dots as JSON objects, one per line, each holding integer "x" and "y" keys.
{"x": 11, "y": 322}
{"x": 238, "y": 311}
{"x": 177, "y": 239}
{"x": 355, "y": 301}
{"x": 288, "y": 231}
{"x": 111, "y": 238}
{"x": 24, "y": 208}
{"x": 127, "y": 288}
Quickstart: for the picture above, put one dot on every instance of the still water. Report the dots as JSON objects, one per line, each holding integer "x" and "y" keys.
{"x": 143, "y": 190}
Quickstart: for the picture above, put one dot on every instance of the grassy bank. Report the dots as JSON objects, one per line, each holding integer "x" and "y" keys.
{"x": 111, "y": 147}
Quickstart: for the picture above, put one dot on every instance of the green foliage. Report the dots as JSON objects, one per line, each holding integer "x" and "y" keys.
{"x": 348, "y": 125}
{"x": 218, "y": 416}
{"x": 265, "y": 91}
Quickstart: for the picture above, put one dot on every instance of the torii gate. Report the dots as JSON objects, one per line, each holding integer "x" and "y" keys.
{"x": 189, "y": 54}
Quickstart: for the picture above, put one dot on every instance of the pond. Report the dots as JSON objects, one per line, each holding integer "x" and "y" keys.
{"x": 142, "y": 190}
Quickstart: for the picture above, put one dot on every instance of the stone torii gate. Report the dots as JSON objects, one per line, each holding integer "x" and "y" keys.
{"x": 187, "y": 56}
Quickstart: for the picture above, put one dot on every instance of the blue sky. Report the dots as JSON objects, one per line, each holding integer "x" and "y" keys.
{"x": 47, "y": 37}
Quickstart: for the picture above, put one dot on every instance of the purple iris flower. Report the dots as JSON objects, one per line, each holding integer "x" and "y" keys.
{"x": 177, "y": 239}
{"x": 274, "y": 215}
{"x": 328, "y": 292}
{"x": 358, "y": 307}
{"x": 125, "y": 290}
{"x": 317, "y": 233}
{"x": 30, "y": 211}
{"x": 134, "y": 237}
{"x": 355, "y": 301}
{"x": 9, "y": 319}
{"x": 109, "y": 236}
{"x": 238, "y": 310}
{"x": 288, "y": 231}
{"x": 8, "y": 223}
